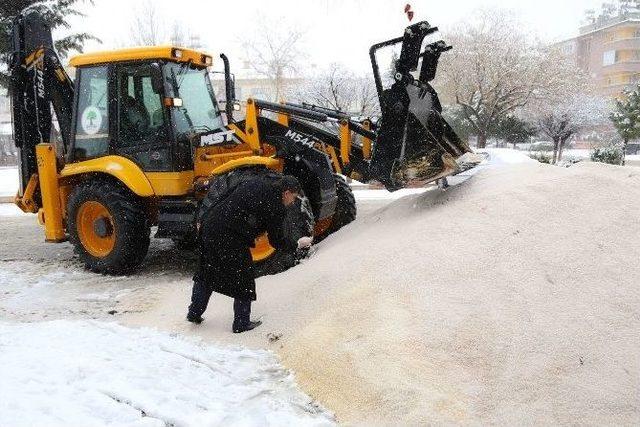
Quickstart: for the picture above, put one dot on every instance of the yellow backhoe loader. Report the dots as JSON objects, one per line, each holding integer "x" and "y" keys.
{"x": 144, "y": 144}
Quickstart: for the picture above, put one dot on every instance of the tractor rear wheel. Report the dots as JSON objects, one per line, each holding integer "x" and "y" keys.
{"x": 298, "y": 222}
{"x": 108, "y": 227}
{"x": 345, "y": 209}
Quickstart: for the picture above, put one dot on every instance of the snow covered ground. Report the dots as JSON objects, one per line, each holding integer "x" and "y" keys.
{"x": 633, "y": 160}
{"x": 88, "y": 373}
{"x": 480, "y": 315}
{"x": 9, "y": 209}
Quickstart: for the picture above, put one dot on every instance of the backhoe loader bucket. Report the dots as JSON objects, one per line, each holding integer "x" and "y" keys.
{"x": 415, "y": 145}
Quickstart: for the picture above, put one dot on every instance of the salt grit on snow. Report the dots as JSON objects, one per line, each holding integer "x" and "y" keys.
{"x": 512, "y": 298}
{"x": 87, "y": 373}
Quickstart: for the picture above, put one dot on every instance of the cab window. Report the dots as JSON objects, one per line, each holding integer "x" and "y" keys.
{"x": 92, "y": 121}
{"x": 140, "y": 114}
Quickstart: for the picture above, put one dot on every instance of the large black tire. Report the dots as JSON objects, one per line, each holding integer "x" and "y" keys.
{"x": 345, "y": 208}
{"x": 298, "y": 222}
{"x": 127, "y": 222}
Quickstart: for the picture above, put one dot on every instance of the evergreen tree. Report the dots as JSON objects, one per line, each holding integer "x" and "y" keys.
{"x": 56, "y": 13}
{"x": 626, "y": 118}
{"x": 514, "y": 131}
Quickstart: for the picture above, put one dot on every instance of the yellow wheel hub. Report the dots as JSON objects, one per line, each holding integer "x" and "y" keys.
{"x": 262, "y": 249}
{"x": 96, "y": 229}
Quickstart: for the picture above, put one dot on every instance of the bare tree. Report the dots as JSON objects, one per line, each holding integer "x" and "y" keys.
{"x": 177, "y": 36}
{"x": 495, "y": 70}
{"x": 564, "y": 119}
{"x": 146, "y": 28}
{"x": 274, "y": 52}
{"x": 341, "y": 89}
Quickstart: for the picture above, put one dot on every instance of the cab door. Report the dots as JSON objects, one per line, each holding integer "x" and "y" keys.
{"x": 91, "y": 124}
{"x": 141, "y": 131}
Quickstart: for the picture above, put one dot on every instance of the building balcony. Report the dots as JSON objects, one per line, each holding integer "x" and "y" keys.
{"x": 623, "y": 44}
{"x": 622, "y": 67}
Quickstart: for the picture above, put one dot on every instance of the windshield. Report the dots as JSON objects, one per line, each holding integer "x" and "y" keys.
{"x": 199, "y": 111}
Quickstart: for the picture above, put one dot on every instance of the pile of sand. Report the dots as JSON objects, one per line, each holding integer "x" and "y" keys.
{"x": 513, "y": 298}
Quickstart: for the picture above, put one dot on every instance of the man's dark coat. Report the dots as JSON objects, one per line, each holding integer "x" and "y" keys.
{"x": 228, "y": 230}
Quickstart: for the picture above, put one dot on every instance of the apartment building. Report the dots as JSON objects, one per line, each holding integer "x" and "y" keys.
{"x": 609, "y": 51}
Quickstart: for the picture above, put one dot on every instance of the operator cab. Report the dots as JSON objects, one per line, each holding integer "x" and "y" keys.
{"x": 142, "y": 103}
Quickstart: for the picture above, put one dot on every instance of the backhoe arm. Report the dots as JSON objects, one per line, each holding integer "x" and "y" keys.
{"x": 38, "y": 82}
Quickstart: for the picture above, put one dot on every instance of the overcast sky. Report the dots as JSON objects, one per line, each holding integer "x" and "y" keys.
{"x": 335, "y": 30}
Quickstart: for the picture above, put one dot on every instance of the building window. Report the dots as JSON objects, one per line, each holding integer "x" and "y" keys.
{"x": 609, "y": 57}
{"x": 636, "y": 34}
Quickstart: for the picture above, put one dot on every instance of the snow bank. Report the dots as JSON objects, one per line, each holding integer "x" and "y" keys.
{"x": 8, "y": 181}
{"x": 85, "y": 373}
{"x": 510, "y": 299}
{"x": 506, "y": 156}
{"x": 513, "y": 298}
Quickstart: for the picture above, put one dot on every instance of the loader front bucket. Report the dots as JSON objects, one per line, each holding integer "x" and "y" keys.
{"x": 415, "y": 145}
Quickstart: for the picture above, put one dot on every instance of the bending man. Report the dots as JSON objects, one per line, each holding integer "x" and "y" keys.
{"x": 227, "y": 232}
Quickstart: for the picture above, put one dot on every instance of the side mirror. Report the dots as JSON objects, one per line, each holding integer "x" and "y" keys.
{"x": 157, "y": 80}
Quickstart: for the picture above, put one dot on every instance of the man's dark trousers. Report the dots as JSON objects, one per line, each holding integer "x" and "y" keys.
{"x": 200, "y": 299}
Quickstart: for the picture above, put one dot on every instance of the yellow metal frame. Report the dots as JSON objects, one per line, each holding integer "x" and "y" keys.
{"x": 366, "y": 142}
{"x": 26, "y": 202}
{"x": 247, "y": 161}
{"x": 171, "y": 183}
{"x": 121, "y": 168}
{"x": 34, "y": 56}
{"x": 51, "y": 212}
{"x": 328, "y": 149}
{"x": 283, "y": 119}
{"x": 345, "y": 141}
{"x": 143, "y": 53}
{"x": 251, "y": 126}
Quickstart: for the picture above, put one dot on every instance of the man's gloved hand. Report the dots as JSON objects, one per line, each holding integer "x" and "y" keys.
{"x": 305, "y": 242}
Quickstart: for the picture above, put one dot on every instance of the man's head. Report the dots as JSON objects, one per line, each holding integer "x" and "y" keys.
{"x": 290, "y": 189}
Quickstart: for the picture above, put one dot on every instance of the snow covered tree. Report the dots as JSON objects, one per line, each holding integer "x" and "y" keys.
{"x": 612, "y": 155}
{"x": 340, "y": 89}
{"x": 56, "y": 13}
{"x": 611, "y": 9}
{"x": 495, "y": 69}
{"x": 626, "y": 7}
{"x": 626, "y": 118}
{"x": 562, "y": 120}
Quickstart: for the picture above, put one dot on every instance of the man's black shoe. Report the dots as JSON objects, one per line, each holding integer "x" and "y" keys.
{"x": 194, "y": 319}
{"x": 246, "y": 327}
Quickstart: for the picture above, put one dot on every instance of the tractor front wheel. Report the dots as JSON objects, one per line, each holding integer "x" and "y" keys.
{"x": 108, "y": 227}
{"x": 345, "y": 211}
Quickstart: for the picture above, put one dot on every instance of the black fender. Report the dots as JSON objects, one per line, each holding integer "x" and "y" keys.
{"x": 310, "y": 165}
